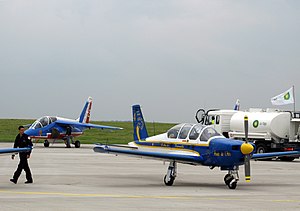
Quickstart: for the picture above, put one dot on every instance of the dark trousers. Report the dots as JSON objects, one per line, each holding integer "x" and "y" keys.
{"x": 23, "y": 164}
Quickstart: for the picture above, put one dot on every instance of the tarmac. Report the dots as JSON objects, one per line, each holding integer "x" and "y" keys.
{"x": 80, "y": 179}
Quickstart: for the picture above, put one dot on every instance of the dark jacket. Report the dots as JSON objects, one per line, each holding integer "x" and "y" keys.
{"x": 22, "y": 142}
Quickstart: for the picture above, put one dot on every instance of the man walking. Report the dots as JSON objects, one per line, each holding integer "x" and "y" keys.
{"x": 22, "y": 141}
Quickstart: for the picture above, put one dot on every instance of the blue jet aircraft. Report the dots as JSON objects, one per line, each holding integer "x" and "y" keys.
{"x": 58, "y": 128}
{"x": 193, "y": 144}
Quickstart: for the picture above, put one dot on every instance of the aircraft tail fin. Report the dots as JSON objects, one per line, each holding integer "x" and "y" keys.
{"x": 86, "y": 112}
{"x": 139, "y": 126}
{"x": 237, "y": 105}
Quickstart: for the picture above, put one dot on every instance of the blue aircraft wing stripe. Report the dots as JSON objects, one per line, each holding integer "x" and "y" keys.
{"x": 87, "y": 125}
{"x": 103, "y": 127}
{"x": 149, "y": 154}
{"x": 274, "y": 154}
{"x": 14, "y": 150}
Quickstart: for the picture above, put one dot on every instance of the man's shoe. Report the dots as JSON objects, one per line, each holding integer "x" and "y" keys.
{"x": 28, "y": 182}
{"x": 13, "y": 181}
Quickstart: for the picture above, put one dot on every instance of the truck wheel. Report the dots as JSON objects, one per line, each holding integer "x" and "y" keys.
{"x": 289, "y": 159}
{"x": 261, "y": 148}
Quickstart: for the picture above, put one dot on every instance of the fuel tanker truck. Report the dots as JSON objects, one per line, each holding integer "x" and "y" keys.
{"x": 271, "y": 130}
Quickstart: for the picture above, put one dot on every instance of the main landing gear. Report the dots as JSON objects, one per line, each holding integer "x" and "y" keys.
{"x": 231, "y": 178}
{"x": 76, "y": 144}
{"x": 171, "y": 174}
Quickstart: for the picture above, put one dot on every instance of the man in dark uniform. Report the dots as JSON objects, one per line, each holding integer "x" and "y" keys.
{"x": 22, "y": 141}
{"x": 68, "y": 138}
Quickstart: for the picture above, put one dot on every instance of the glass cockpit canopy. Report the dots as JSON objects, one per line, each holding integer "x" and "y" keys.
{"x": 43, "y": 122}
{"x": 192, "y": 132}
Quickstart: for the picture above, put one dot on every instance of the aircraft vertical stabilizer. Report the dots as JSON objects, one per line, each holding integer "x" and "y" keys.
{"x": 86, "y": 112}
{"x": 237, "y": 105}
{"x": 139, "y": 126}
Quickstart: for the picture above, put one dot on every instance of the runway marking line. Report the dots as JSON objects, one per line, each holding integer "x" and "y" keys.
{"x": 140, "y": 196}
{"x": 92, "y": 195}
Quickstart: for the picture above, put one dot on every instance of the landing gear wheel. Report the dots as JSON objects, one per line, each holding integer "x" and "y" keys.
{"x": 232, "y": 184}
{"x": 170, "y": 182}
{"x": 228, "y": 178}
{"x": 77, "y": 144}
{"x": 46, "y": 143}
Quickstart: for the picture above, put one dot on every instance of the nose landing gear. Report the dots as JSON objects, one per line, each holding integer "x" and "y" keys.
{"x": 231, "y": 179}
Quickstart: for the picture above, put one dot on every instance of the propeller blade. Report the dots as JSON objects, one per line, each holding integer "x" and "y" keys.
{"x": 247, "y": 156}
{"x": 247, "y": 168}
{"x": 246, "y": 128}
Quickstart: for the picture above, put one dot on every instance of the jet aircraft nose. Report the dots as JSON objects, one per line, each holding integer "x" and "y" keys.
{"x": 30, "y": 132}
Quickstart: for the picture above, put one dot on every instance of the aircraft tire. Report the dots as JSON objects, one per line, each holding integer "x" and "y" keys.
{"x": 77, "y": 144}
{"x": 232, "y": 185}
{"x": 169, "y": 183}
{"x": 228, "y": 178}
{"x": 46, "y": 143}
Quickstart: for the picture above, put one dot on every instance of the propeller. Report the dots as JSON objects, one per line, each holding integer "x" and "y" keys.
{"x": 246, "y": 149}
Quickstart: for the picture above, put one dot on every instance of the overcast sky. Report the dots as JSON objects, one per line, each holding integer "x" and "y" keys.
{"x": 170, "y": 56}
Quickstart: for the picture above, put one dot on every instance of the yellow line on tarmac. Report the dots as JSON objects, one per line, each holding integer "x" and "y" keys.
{"x": 144, "y": 196}
{"x": 92, "y": 195}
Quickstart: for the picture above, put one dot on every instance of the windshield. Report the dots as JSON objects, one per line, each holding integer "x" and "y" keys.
{"x": 173, "y": 132}
{"x": 208, "y": 133}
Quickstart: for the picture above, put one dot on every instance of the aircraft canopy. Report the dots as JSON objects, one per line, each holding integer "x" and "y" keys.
{"x": 192, "y": 132}
{"x": 43, "y": 122}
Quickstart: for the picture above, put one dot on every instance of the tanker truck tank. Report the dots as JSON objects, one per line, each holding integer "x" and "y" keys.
{"x": 274, "y": 125}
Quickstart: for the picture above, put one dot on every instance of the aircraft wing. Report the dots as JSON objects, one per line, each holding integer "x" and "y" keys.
{"x": 13, "y": 150}
{"x": 189, "y": 158}
{"x": 86, "y": 125}
{"x": 275, "y": 154}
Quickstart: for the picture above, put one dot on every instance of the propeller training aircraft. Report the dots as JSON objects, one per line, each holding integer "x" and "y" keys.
{"x": 12, "y": 151}
{"x": 58, "y": 128}
{"x": 192, "y": 144}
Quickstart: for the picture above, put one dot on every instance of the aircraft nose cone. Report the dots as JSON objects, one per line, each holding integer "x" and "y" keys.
{"x": 246, "y": 148}
{"x": 28, "y": 132}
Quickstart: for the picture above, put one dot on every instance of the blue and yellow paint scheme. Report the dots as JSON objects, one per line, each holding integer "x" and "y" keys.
{"x": 193, "y": 144}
